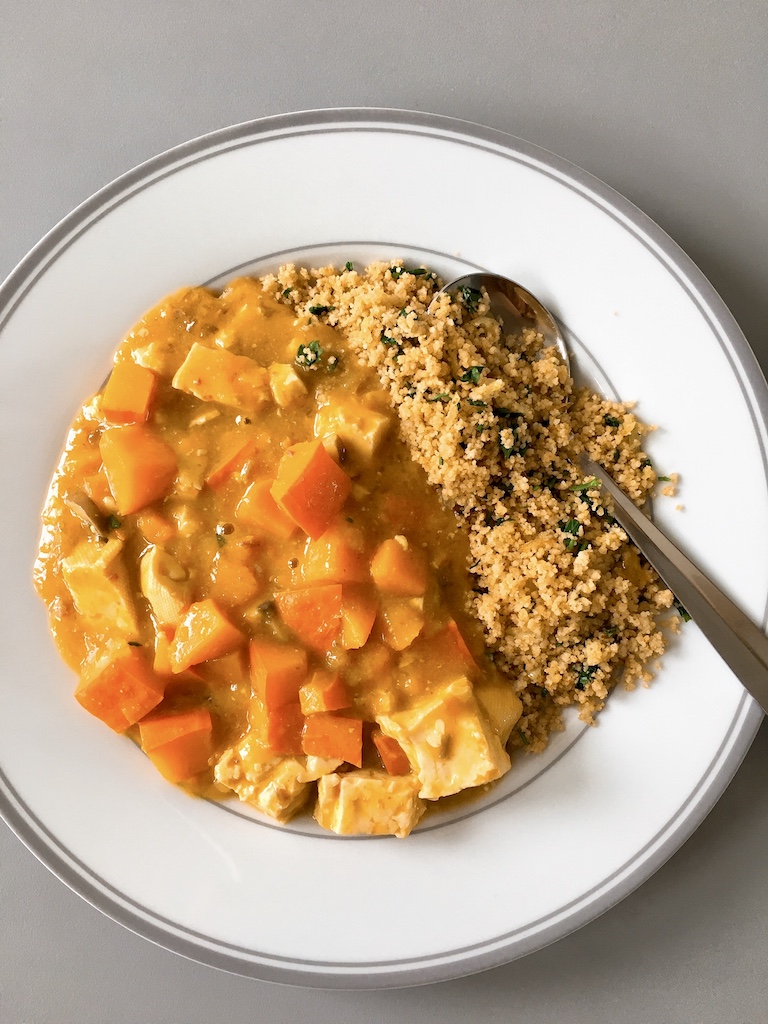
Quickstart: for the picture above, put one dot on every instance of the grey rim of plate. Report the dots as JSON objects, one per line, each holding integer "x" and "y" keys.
{"x": 458, "y": 962}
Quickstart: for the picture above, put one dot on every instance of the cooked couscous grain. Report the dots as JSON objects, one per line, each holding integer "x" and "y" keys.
{"x": 567, "y": 603}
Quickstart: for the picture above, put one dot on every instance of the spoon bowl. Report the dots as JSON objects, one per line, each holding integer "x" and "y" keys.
{"x": 514, "y": 306}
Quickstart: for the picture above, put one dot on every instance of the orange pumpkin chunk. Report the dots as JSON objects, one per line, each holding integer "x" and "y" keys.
{"x": 277, "y": 671}
{"x": 139, "y": 465}
{"x": 334, "y": 737}
{"x": 325, "y": 691}
{"x": 310, "y": 487}
{"x": 313, "y": 613}
{"x": 120, "y": 686}
{"x": 204, "y": 633}
{"x": 398, "y": 568}
{"x": 128, "y": 393}
{"x": 178, "y": 742}
{"x": 258, "y": 508}
{"x": 392, "y": 755}
{"x": 359, "y": 607}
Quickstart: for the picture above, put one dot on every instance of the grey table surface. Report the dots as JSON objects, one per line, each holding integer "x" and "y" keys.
{"x": 667, "y": 102}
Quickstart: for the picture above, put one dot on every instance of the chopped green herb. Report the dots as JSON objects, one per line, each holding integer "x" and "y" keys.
{"x": 584, "y": 675}
{"x": 571, "y": 526}
{"x": 472, "y": 376}
{"x": 386, "y": 339}
{"x": 611, "y": 630}
{"x": 616, "y": 455}
{"x": 287, "y": 291}
{"x": 308, "y": 356}
{"x": 523, "y": 738}
{"x": 348, "y": 265}
{"x": 588, "y": 485}
{"x": 506, "y": 452}
{"x": 439, "y": 398}
{"x": 682, "y": 612}
{"x": 644, "y": 463}
{"x": 471, "y": 298}
{"x": 440, "y": 460}
{"x": 419, "y": 272}
{"x": 113, "y": 523}
{"x": 396, "y": 272}
{"x": 477, "y": 403}
{"x": 611, "y": 421}
{"x": 319, "y": 310}
{"x": 403, "y": 311}
{"x": 667, "y": 478}
{"x": 332, "y": 365}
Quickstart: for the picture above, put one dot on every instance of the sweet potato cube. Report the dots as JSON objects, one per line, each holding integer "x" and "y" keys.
{"x": 310, "y": 487}
{"x": 277, "y": 671}
{"x": 453, "y": 646}
{"x": 313, "y": 613}
{"x": 336, "y": 557}
{"x": 334, "y": 736}
{"x": 359, "y": 607}
{"x": 258, "y": 508}
{"x": 215, "y": 375}
{"x": 204, "y": 633}
{"x": 399, "y": 568}
{"x": 393, "y": 757}
{"x": 119, "y": 686}
{"x": 139, "y": 465}
{"x": 128, "y": 393}
{"x": 156, "y": 528}
{"x": 178, "y": 742}
{"x": 325, "y": 691}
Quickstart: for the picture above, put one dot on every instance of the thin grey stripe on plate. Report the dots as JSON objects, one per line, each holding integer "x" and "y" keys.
{"x": 745, "y": 721}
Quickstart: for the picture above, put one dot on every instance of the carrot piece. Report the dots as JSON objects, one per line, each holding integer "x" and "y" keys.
{"x": 234, "y": 453}
{"x": 232, "y": 582}
{"x": 140, "y": 466}
{"x": 178, "y": 742}
{"x": 258, "y": 508}
{"x": 203, "y": 634}
{"x": 277, "y": 671}
{"x": 325, "y": 691}
{"x": 128, "y": 393}
{"x": 358, "y": 613}
{"x": 336, "y": 557}
{"x": 399, "y": 568}
{"x": 119, "y": 686}
{"x": 392, "y": 755}
{"x": 155, "y": 527}
{"x": 281, "y": 729}
{"x": 335, "y": 737}
{"x": 313, "y": 613}
{"x": 310, "y": 487}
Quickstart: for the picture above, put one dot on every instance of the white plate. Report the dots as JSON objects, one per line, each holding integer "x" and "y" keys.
{"x": 567, "y": 834}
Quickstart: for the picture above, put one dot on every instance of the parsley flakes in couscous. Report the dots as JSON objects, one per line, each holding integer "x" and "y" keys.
{"x": 568, "y": 604}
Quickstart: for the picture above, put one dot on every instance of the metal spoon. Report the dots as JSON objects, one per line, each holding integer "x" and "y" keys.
{"x": 740, "y": 643}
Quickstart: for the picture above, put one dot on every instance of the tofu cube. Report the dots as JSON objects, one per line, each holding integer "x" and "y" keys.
{"x": 361, "y": 430}
{"x": 369, "y": 803}
{"x": 215, "y": 375}
{"x": 448, "y": 740}
{"x": 96, "y": 578}
{"x": 275, "y": 787}
{"x": 287, "y": 387}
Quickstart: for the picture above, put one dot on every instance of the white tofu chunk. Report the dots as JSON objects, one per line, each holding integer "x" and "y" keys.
{"x": 274, "y": 787}
{"x": 361, "y": 430}
{"x": 370, "y": 803}
{"x": 287, "y": 387}
{"x": 165, "y": 585}
{"x": 215, "y": 375}
{"x": 316, "y": 767}
{"x": 448, "y": 740}
{"x": 96, "y": 578}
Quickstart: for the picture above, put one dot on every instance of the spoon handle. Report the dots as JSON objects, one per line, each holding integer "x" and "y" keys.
{"x": 738, "y": 641}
